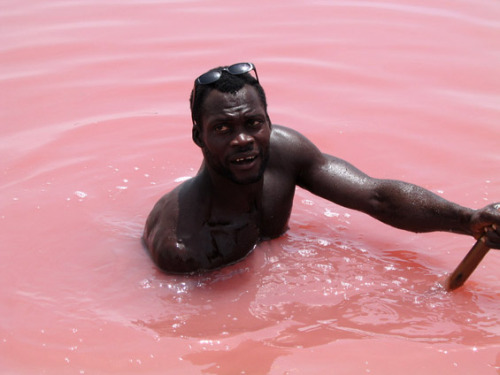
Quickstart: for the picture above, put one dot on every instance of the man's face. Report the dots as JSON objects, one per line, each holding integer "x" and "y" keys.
{"x": 235, "y": 134}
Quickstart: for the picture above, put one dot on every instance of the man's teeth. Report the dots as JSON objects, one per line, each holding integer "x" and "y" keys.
{"x": 248, "y": 158}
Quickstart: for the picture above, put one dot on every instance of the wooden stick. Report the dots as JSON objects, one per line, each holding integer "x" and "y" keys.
{"x": 467, "y": 265}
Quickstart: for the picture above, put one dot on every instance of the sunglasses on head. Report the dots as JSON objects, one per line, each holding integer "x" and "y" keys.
{"x": 214, "y": 75}
{"x": 235, "y": 69}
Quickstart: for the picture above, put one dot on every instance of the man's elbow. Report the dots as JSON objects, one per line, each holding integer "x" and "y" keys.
{"x": 378, "y": 205}
{"x": 383, "y": 207}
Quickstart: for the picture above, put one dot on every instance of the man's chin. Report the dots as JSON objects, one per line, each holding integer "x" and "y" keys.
{"x": 248, "y": 177}
{"x": 243, "y": 175}
{"x": 246, "y": 180}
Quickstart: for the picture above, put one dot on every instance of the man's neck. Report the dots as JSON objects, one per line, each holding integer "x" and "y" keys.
{"x": 228, "y": 195}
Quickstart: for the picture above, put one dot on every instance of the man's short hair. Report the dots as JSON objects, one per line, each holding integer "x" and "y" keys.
{"x": 227, "y": 83}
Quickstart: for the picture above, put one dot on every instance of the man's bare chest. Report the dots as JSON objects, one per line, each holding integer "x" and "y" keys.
{"x": 219, "y": 239}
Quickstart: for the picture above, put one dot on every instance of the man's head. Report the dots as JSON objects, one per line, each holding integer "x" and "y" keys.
{"x": 227, "y": 79}
{"x": 231, "y": 125}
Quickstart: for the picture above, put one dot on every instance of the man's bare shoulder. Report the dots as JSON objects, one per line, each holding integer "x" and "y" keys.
{"x": 291, "y": 147}
{"x": 285, "y": 137}
{"x": 162, "y": 226}
{"x": 282, "y": 133}
{"x": 167, "y": 207}
{"x": 161, "y": 222}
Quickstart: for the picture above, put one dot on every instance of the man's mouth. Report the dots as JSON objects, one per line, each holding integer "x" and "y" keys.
{"x": 244, "y": 160}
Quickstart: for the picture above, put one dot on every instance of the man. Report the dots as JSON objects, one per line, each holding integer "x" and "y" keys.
{"x": 244, "y": 190}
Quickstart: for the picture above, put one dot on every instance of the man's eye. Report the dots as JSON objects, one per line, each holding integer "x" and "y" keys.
{"x": 221, "y": 128}
{"x": 255, "y": 123}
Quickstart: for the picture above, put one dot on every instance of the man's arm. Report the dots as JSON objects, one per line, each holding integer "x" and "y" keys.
{"x": 160, "y": 238}
{"x": 399, "y": 204}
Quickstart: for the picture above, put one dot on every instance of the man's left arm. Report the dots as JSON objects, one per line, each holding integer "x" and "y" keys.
{"x": 397, "y": 203}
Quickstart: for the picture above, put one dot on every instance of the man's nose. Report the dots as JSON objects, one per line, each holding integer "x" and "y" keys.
{"x": 242, "y": 139}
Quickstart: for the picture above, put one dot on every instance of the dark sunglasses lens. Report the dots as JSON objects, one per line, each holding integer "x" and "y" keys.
{"x": 209, "y": 77}
{"x": 240, "y": 68}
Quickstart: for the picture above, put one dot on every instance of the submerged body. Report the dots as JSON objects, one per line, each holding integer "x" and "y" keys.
{"x": 243, "y": 192}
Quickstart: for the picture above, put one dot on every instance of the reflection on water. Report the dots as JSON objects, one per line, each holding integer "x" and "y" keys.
{"x": 95, "y": 128}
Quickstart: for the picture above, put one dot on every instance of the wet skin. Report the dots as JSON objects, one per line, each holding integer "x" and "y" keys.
{"x": 244, "y": 190}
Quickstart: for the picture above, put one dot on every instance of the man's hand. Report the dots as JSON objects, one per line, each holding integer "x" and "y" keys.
{"x": 486, "y": 221}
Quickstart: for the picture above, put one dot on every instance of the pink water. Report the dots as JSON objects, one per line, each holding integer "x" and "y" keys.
{"x": 95, "y": 128}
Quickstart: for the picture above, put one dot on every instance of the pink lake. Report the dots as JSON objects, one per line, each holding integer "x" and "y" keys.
{"x": 95, "y": 127}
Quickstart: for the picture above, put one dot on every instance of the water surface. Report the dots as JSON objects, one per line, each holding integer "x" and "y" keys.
{"x": 96, "y": 127}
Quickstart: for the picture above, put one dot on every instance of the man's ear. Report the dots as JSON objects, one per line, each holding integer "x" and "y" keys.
{"x": 269, "y": 121}
{"x": 196, "y": 134}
